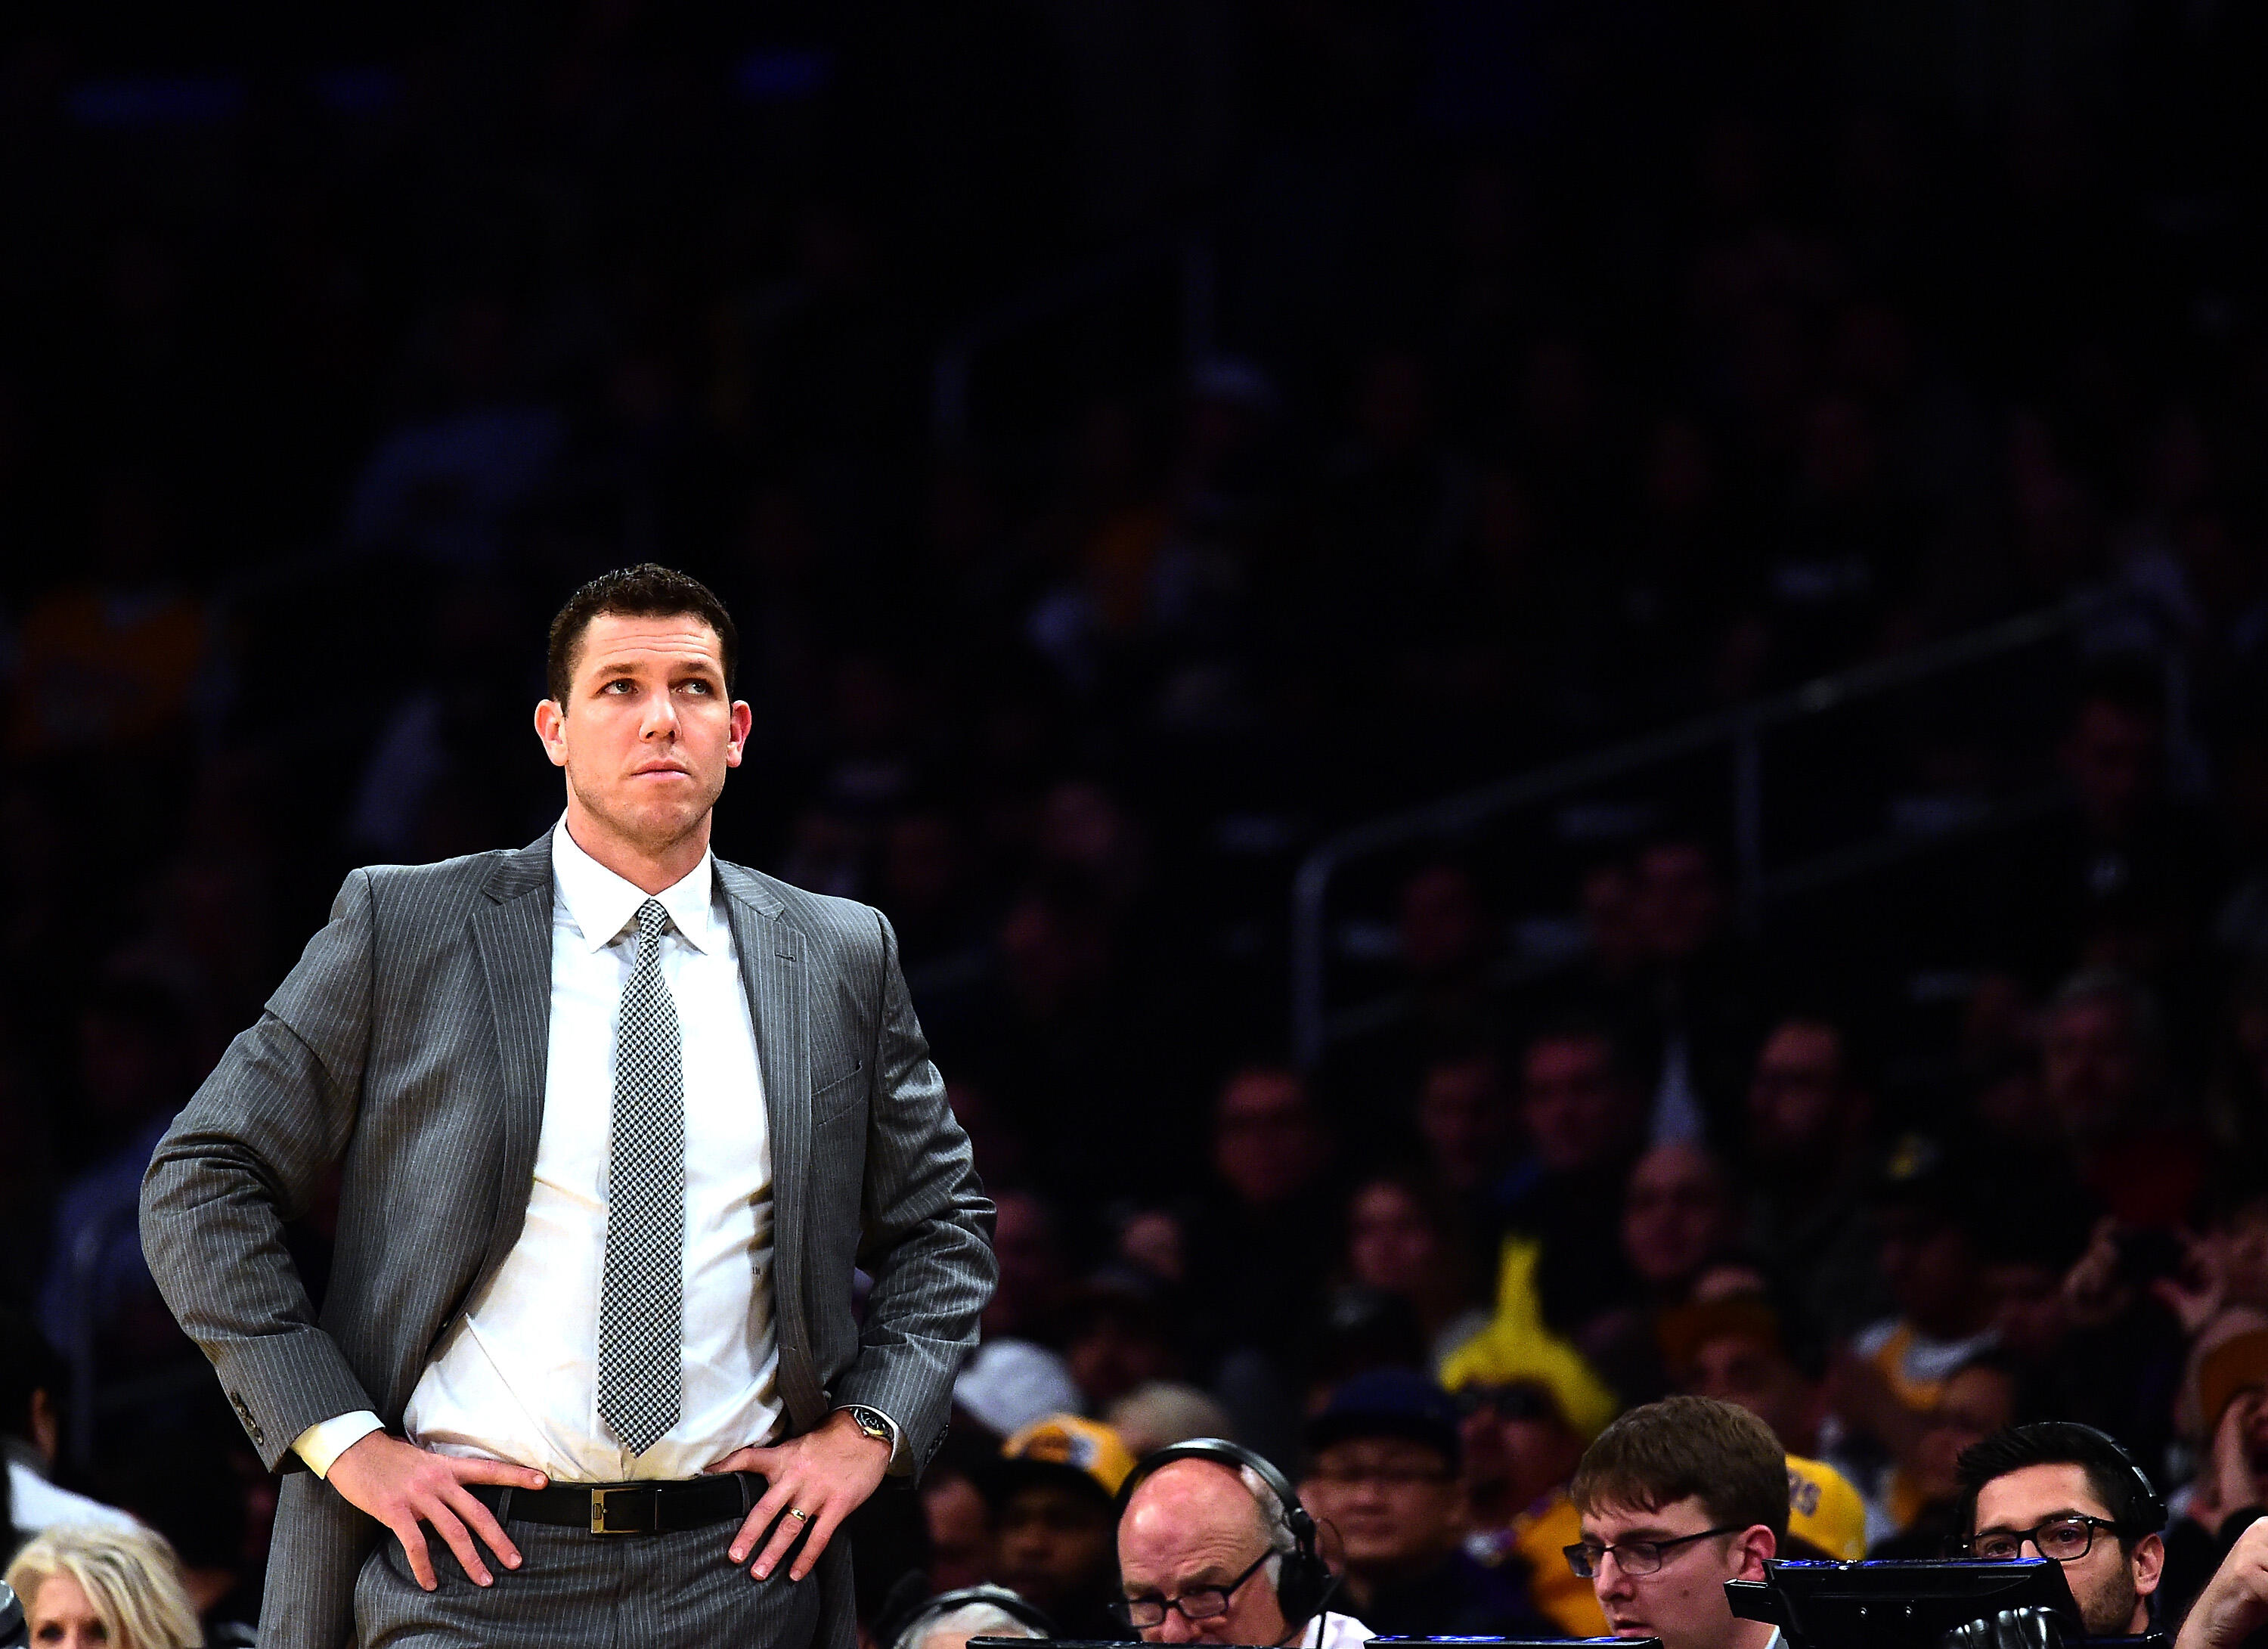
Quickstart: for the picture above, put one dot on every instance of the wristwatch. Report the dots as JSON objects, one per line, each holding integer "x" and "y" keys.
{"x": 873, "y": 1422}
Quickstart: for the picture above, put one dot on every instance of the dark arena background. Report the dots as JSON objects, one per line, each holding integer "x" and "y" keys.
{"x": 1568, "y": 696}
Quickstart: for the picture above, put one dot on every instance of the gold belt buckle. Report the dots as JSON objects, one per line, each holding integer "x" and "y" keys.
{"x": 601, "y": 1507}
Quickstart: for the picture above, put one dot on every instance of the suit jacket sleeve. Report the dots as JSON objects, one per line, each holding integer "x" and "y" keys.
{"x": 246, "y": 1154}
{"x": 927, "y": 1236}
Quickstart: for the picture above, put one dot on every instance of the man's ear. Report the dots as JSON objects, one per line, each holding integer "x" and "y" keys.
{"x": 551, "y": 728}
{"x": 1750, "y": 1548}
{"x": 2149, "y": 1563}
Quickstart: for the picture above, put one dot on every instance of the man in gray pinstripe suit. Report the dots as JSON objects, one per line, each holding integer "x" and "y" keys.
{"x": 614, "y": 1120}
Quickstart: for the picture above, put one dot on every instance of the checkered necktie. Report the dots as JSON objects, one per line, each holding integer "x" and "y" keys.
{"x": 642, "y": 1297}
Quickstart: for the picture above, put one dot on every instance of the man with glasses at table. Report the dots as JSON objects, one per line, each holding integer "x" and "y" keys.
{"x": 2063, "y": 1491}
{"x": 1677, "y": 1497}
{"x": 1203, "y": 1546}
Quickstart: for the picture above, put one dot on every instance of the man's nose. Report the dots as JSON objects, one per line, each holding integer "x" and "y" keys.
{"x": 1176, "y": 1628}
{"x": 661, "y": 718}
{"x": 1609, "y": 1578}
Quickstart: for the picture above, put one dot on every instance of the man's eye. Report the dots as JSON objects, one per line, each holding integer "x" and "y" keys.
{"x": 621, "y": 681}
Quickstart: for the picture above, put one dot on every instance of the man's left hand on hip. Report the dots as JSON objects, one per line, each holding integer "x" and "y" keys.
{"x": 812, "y": 1482}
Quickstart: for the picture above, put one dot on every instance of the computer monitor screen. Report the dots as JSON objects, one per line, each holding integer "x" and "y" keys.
{"x": 1895, "y": 1605}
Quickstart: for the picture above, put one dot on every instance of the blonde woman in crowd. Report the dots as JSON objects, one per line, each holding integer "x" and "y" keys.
{"x": 93, "y": 1586}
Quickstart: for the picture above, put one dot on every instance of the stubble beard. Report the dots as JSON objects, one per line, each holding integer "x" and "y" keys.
{"x": 652, "y": 834}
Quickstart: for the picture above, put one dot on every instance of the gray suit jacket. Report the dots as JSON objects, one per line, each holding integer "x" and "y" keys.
{"x": 408, "y": 1047}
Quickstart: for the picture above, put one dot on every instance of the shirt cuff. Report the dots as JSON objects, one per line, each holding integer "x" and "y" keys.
{"x": 323, "y": 1442}
{"x": 900, "y": 1456}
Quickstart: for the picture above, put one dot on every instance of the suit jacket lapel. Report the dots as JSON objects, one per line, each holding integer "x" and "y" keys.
{"x": 513, "y": 933}
{"x": 773, "y": 974}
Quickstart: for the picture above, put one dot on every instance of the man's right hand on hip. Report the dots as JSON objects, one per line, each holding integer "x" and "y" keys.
{"x": 404, "y": 1486}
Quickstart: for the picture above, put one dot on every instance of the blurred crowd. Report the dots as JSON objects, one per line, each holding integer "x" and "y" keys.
{"x": 1526, "y": 377}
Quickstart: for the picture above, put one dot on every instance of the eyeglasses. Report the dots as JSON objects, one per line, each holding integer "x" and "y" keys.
{"x": 2066, "y": 1539}
{"x": 1202, "y": 1602}
{"x": 1633, "y": 1557}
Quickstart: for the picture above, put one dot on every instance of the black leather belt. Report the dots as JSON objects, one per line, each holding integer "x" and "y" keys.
{"x": 627, "y": 1508}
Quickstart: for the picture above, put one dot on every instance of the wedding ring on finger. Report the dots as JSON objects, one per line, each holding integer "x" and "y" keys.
{"x": 798, "y": 1514}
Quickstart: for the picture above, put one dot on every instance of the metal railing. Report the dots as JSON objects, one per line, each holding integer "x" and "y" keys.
{"x": 1738, "y": 733}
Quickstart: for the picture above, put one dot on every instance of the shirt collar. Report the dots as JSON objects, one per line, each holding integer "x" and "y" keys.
{"x": 601, "y": 904}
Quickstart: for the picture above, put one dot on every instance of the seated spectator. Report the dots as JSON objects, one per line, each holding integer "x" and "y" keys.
{"x": 1051, "y": 1494}
{"x": 1928, "y": 1218}
{"x": 1255, "y": 1258}
{"x": 1677, "y": 1497}
{"x": 32, "y": 1383}
{"x": 1116, "y": 1337}
{"x": 1401, "y": 1239}
{"x": 1739, "y": 1349}
{"x": 1519, "y": 1450}
{"x": 87, "y": 1584}
{"x": 2230, "y": 1490}
{"x": 1583, "y": 1119}
{"x": 951, "y": 1618}
{"x": 2103, "y": 1077}
{"x": 1465, "y": 1126}
{"x": 1161, "y": 1412}
{"x": 1808, "y": 1122}
{"x": 1979, "y": 1399}
{"x": 2069, "y": 1492}
{"x": 1678, "y": 1219}
{"x": 1384, "y": 1470}
{"x": 961, "y": 1551}
{"x": 1212, "y": 1550}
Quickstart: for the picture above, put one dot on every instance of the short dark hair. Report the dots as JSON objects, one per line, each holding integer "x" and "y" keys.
{"x": 645, "y": 590}
{"x": 2112, "y": 1475}
{"x": 1714, "y": 1452}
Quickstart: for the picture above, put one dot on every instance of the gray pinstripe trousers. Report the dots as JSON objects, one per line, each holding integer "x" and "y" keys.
{"x": 575, "y": 1590}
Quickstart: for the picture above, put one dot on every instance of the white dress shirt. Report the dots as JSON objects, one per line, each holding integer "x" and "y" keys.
{"x": 517, "y": 1377}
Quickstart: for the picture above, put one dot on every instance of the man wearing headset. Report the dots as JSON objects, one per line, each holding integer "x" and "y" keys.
{"x": 2059, "y": 1490}
{"x": 1213, "y": 1547}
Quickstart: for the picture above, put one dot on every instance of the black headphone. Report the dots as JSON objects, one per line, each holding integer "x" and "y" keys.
{"x": 2149, "y": 1514}
{"x": 1015, "y": 1605}
{"x": 2153, "y": 1508}
{"x": 1304, "y": 1582}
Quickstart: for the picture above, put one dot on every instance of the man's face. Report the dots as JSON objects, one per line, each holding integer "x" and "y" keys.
{"x": 1463, "y": 1120}
{"x": 1054, "y": 1545}
{"x": 1975, "y": 1403}
{"x": 1576, "y": 1113}
{"x": 1194, "y": 1524}
{"x": 1266, "y": 1142}
{"x": 2108, "y": 1584}
{"x": 647, "y": 730}
{"x": 1683, "y": 1602}
{"x": 1390, "y": 1242}
{"x": 1796, "y": 1099}
{"x": 2091, "y": 1066}
{"x": 1738, "y": 1369}
{"x": 1676, "y": 1214}
{"x": 961, "y": 1549}
{"x": 1394, "y": 1501}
